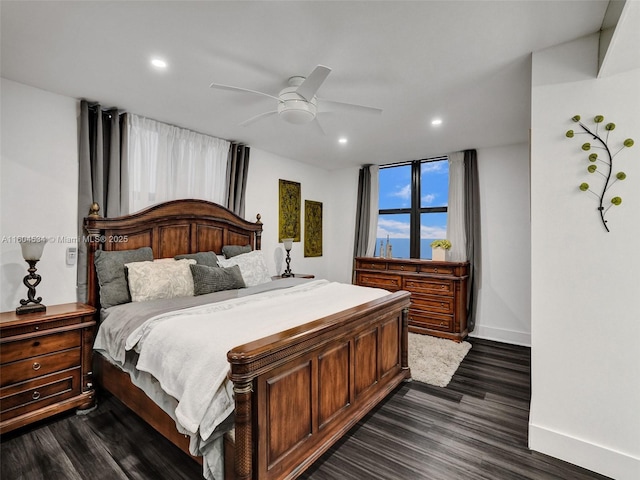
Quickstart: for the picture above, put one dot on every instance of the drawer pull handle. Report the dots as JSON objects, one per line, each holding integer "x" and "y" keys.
{"x": 435, "y": 270}
{"x": 401, "y": 267}
{"x": 35, "y": 395}
{"x": 36, "y": 344}
{"x": 442, "y": 287}
{"x": 36, "y": 366}
{"x": 442, "y": 304}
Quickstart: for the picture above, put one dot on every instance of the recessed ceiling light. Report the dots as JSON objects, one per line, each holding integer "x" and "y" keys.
{"x": 158, "y": 63}
{"x": 342, "y": 140}
{"x": 436, "y": 121}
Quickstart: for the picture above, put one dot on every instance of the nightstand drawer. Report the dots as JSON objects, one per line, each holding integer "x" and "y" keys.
{"x": 430, "y": 304}
{"x": 34, "y": 394}
{"x": 31, "y": 347}
{"x": 38, "y": 366}
{"x": 429, "y": 285}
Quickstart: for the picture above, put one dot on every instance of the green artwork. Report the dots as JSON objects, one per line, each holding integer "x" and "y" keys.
{"x": 289, "y": 213}
{"x": 312, "y": 228}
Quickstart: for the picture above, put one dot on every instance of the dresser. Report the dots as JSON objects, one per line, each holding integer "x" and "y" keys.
{"x": 438, "y": 291}
{"x": 45, "y": 363}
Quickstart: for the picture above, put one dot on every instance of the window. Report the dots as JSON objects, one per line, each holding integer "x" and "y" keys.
{"x": 413, "y": 199}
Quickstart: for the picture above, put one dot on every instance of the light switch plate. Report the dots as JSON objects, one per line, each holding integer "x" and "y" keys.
{"x": 72, "y": 254}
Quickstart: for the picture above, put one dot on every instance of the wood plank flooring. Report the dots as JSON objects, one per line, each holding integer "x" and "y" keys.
{"x": 475, "y": 428}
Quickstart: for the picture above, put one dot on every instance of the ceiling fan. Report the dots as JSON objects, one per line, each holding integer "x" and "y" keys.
{"x": 298, "y": 103}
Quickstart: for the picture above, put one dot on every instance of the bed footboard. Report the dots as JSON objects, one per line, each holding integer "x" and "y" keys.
{"x": 299, "y": 391}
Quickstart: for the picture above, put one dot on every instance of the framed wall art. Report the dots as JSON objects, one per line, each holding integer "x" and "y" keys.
{"x": 289, "y": 210}
{"x": 312, "y": 228}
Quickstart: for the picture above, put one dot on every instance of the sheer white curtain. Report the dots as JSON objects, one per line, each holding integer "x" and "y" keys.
{"x": 456, "y": 209}
{"x": 168, "y": 163}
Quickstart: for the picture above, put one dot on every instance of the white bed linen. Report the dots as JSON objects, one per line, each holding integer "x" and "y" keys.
{"x": 186, "y": 350}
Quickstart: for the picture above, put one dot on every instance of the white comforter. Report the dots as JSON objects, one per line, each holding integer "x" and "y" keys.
{"x": 186, "y": 350}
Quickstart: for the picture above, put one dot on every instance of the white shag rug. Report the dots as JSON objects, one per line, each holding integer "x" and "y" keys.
{"x": 434, "y": 360}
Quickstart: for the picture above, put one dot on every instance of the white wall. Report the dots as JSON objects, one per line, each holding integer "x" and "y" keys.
{"x": 39, "y": 185}
{"x": 504, "y": 305}
{"x": 585, "y": 283}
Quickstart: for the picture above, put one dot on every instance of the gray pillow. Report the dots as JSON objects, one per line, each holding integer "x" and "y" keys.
{"x": 111, "y": 273}
{"x": 215, "y": 279}
{"x": 202, "y": 258}
{"x": 233, "y": 250}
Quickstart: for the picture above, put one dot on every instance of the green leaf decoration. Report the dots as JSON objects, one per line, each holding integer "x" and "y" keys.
{"x": 570, "y": 133}
{"x": 586, "y": 146}
{"x": 598, "y": 119}
{"x": 628, "y": 142}
{"x": 584, "y": 186}
{"x": 576, "y": 118}
{"x": 616, "y": 200}
{"x": 610, "y": 126}
{"x": 592, "y": 168}
{"x": 593, "y": 157}
{"x": 621, "y": 175}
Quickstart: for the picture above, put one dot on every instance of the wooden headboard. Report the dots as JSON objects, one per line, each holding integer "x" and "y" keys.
{"x": 170, "y": 228}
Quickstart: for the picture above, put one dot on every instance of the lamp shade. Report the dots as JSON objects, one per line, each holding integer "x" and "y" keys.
{"x": 288, "y": 243}
{"x": 32, "y": 249}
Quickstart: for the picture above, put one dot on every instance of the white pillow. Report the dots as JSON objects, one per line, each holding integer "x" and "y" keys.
{"x": 252, "y": 267}
{"x": 160, "y": 279}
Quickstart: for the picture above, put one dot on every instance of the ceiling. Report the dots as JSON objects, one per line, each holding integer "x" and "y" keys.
{"x": 466, "y": 62}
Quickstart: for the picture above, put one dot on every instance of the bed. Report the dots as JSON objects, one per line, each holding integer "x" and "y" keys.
{"x": 296, "y": 391}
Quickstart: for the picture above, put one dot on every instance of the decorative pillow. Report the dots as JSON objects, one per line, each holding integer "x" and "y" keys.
{"x": 202, "y": 258}
{"x": 215, "y": 279}
{"x": 112, "y": 276}
{"x": 230, "y": 251}
{"x": 252, "y": 266}
{"x": 160, "y": 279}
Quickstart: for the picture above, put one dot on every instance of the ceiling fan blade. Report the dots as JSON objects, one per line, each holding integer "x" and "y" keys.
{"x": 257, "y": 117}
{"x": 350, "y": 106}
{"x": 240, "y": 89}
{"x": 312, "y": 83}
{"x": 319, "y": 125}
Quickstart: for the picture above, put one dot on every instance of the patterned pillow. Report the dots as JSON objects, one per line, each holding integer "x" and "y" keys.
{"x": 215, "y": 279}
{"x": 202, "y": 258}
{"x": 230, "y": 251}
{"x": 112, "y": 276}
{"x": 252, "y": 265}
{"x": 160, "y": 279}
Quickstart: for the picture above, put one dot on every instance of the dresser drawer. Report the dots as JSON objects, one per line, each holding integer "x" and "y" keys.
{"x": 429, "y": 285}
{"x": 371, "y": 265}
{"x": 389, "y": 282}
{"x": 403, "y": 267}
{"x": 31, "y": 395}
{"x": 432, "y": 321}
{"x": 430, "y": 304}
{"x": 436, "y": 269}
{"x": 31, "y": 347}
{"x": 38, "y": 366}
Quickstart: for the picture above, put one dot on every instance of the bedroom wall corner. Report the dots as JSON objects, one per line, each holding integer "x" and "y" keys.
{"x": 584, "y": 281}
{"x": 38, "y": 194}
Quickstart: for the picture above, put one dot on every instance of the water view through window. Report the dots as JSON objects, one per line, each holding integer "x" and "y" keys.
{"x": 398, "y": 202}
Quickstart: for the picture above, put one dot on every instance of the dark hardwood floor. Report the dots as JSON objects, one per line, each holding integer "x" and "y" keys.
{"x": 475, "y": 428}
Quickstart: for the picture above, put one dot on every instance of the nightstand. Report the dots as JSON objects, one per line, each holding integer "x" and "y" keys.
{"x": 45, "y": 363}
{"x": 295, "y": 275}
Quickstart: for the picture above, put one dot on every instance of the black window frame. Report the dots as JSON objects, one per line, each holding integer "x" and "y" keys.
{"x": 416, "y": 209}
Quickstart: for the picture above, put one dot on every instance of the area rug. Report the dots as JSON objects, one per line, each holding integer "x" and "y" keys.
{"x": 434, "y": 360}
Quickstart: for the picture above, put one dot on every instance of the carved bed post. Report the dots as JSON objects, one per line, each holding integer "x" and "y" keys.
{"x": 404, "y": 345}
{"x": 258, "y": 233}
{"x": 93, "y": 240}
{"x": 243, "y": 435}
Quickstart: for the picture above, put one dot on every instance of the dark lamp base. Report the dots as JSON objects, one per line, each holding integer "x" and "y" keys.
{"x": 32, "y": 308}
{"x": 286, "y": 275}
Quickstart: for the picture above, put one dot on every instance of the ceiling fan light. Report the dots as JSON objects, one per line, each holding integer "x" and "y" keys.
{"x": 297, "y": 111}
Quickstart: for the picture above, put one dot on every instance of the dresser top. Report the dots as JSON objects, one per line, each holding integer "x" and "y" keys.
{"x": 417, "y": 261}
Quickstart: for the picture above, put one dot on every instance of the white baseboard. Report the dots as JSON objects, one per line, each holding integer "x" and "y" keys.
{"x": 603, "y": 460}
{"x": 502, "y": 335}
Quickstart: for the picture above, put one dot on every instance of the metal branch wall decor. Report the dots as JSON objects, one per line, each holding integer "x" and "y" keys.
{"x": 608, "y": 177}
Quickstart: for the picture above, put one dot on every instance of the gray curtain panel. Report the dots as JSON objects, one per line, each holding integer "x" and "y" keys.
{"x": 237, "y": 171}
{"x": 102, "y": 173}
{"x": 363, "y": 213}
{"x": 472, "y": 227}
